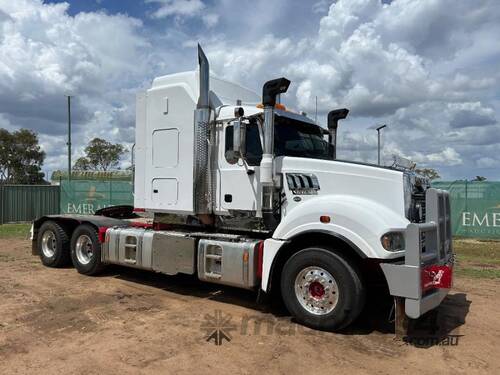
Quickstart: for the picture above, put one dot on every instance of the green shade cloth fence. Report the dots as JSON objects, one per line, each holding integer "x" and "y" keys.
{"x": 88, "y": 196}
{"x": 475, "y": 207}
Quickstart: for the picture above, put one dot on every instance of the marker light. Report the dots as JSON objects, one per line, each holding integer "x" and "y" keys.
{"x": 277, "y": 106}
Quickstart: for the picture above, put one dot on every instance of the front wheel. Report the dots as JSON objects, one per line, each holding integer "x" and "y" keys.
{"x": 86, "y": 250}
{"x": 322, "y": 289}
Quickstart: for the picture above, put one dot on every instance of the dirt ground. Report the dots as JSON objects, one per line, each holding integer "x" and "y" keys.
{"x": 133, "y": 322}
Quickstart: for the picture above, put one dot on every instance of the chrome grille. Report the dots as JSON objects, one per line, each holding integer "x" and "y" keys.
{"x": 418, "y": 214}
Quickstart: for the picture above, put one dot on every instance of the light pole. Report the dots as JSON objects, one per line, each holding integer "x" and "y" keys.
{"x": 378, "y": 135}
{"x": 69, "y": 138}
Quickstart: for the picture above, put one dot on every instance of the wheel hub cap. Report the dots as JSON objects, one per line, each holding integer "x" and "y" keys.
{"x": 316, "y": 290}
{"x": 83, "y": 249}
{"x": 49, "y": 243}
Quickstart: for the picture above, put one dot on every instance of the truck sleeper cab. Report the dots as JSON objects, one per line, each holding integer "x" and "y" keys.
{"x": 251, "y": 195}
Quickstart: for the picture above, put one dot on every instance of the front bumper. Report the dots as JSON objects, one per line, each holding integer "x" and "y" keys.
{"x": 424, "y": 277}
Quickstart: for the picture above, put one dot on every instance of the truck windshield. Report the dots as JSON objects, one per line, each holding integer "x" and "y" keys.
{"x": 294, "y": 138}
{"x": 291, "y": 138}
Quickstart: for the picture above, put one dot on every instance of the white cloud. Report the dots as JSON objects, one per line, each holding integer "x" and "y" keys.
{"x": 47, "y": 54}
{"x": 419, "y": 66}
{"x": 429, "y": 69}
{"x": 448, "y": 156}
{"x": 321, "y": 6}
{"x": 487, "y": 162}
{"x": 210, "y": 19}
{"x": 183, "y": 8}
{"x": 470, "y": 114}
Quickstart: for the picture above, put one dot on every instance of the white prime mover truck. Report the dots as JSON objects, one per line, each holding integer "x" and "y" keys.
{"x": 246, "y": 193}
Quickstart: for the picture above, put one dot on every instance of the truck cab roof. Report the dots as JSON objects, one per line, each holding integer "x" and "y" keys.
{"x": 222, "y": 92}
{"x": 223, "y": 95}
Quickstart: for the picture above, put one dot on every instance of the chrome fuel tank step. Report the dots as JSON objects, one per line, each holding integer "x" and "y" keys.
{"x": 229, "y": 263}
{"x": 229, "y": 260}
{"x": 166, "y": 252}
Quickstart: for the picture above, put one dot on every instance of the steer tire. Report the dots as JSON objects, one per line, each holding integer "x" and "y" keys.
{"x": 337, "y": 296}
{"x": 86, "y": 262}
{"x": 53, "y": 245}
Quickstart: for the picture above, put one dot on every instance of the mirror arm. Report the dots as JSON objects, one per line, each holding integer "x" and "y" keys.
{"x": 239, "y": 138}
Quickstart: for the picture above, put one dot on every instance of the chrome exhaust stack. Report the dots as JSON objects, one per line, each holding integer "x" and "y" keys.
{"x": 270, "y": 91}
{"x": 333, "y": 119}
{"x": 201, "y": 169}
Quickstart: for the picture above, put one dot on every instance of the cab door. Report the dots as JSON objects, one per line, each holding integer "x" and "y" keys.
{"x": 239, "y": 187}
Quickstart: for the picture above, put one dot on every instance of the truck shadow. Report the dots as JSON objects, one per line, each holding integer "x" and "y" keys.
{"x": 437, "y": 327}
{"x": 186, "y": 285}
{"x": 433, "y": 328}
{"x": 440, "y": 327}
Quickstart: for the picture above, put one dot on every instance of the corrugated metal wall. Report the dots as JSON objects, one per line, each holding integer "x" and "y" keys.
{"x": 20, "y": 203}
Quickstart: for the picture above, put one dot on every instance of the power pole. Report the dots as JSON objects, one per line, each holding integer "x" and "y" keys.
{"x": 378, "y": 135}
{"x": 69, "y": 138}
{"x": 316, "y": 110}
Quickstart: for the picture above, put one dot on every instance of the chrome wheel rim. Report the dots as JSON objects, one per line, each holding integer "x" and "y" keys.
{"x": 49, "y": 243}
{"x": 316, "y": 290}
{"x": 83, "y": 249}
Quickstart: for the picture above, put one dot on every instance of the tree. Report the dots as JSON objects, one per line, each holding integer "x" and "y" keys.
{"x": 479, "y": 178}
{"x": 100, "y": 155}
{"x": 21, "y": 157}
{"x": 430, "y": 173}
{"x": 6, "y": 145}
{"x": 82, "y": 164}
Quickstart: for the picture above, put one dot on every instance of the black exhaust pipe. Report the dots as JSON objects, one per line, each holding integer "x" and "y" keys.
{"x": 333, "y": 123}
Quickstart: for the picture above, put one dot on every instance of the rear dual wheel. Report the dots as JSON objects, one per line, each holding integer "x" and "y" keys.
{"x": 56, "y": 249}
{"x": 53, "y": 244}
{"x": 86, "y": 250}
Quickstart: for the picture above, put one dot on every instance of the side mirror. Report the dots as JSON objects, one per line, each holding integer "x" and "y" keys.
{"x": 239, "y": 138}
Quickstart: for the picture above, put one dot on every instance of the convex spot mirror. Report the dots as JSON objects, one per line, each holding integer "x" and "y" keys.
{"x": 239, "y": 139}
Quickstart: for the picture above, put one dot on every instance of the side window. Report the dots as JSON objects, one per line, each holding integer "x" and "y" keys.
{"x": 254, "y": 148}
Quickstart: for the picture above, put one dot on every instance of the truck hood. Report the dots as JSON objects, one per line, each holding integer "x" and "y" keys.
{"x": 381, "y": 185}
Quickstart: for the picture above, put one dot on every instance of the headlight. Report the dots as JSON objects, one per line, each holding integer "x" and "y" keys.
{"x": 393, "y": 241}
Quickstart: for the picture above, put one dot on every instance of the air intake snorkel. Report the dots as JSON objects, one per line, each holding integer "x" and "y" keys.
{"x": 333, "y": 119}
{"x": 270, "y": 91}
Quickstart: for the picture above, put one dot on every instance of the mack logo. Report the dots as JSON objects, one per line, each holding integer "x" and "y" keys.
{"x": 305, "y": 191}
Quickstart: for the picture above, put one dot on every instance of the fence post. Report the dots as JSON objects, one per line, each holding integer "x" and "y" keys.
{"x": 466, "y": 196}
{"x": 1, "y": 203}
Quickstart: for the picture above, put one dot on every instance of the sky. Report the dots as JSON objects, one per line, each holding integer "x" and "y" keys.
{"x": 429, "y": 69}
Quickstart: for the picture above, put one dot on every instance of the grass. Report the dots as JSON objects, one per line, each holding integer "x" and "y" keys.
{"x": 475, "y": 258}
{"x": 14, "y": 230}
